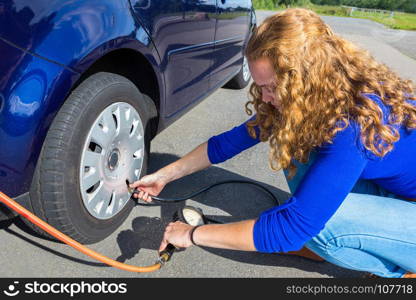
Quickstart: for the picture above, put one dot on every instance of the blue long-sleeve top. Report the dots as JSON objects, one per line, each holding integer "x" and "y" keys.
{"x": 336, "y": 169}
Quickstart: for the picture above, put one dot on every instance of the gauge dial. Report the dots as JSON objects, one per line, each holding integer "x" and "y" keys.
{"x": 192, "y": 216}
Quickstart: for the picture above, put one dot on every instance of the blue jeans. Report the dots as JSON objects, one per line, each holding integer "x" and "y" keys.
{"x": 372, "y": 231}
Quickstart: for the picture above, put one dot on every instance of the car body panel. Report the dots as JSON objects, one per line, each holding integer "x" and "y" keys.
{"x": 233, "y": 20}
{"x": 27, "y": 104}
{"x": 50, "y": 44}
{"x": 36, "y": 78}
{"x": 183, "y": 32}
{"x": 64, "y": 31}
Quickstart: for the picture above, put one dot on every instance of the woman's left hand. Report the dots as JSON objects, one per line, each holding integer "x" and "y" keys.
{"x": 178, "y": 234}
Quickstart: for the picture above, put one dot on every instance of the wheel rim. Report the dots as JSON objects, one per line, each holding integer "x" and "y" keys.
{"x": 112, "y": 153}
{"x": 246, "y": 70}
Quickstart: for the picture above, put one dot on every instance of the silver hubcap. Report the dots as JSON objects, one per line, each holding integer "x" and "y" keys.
{"x": 112, "y": 153}
{"x": 246, "y": 70}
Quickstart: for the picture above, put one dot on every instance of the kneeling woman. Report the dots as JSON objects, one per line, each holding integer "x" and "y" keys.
{"x": 341, "y": 126}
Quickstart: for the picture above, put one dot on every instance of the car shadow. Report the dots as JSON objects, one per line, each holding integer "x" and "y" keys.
{"x": 235, "y": 201}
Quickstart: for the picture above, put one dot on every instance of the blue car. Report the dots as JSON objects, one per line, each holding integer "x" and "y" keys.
{"x": 86, "y": 84}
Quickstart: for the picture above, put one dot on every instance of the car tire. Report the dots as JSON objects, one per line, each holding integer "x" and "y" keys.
{"x": 242, "y": 79}
{"x": 56, "y": 195}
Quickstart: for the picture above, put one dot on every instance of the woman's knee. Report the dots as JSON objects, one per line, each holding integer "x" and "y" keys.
{"x": 359, "y": 216}
{"x": 352, "y": 217}
{"x": 318, "y": 244}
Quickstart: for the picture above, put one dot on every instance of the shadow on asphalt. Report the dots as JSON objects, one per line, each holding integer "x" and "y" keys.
{"x": 4, "y": 225}
{"x": 238, "y": 201}
{"x": 50, "y": 250}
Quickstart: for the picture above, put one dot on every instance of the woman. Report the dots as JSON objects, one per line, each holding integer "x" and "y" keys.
{"x": 341, "y": 126}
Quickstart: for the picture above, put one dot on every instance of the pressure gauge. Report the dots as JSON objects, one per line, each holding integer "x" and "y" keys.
{"x": 190, "y": 215}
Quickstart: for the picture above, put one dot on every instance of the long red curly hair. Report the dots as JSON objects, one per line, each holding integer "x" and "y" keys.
{"x": 320, "y": 81}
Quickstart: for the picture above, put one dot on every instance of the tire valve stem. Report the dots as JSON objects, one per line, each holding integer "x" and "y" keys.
{"x": 130, "y": 190}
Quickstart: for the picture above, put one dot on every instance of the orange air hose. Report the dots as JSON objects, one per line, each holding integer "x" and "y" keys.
{"x": 74, "y": 244}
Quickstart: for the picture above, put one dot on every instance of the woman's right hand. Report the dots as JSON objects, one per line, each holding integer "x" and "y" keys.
{"x": 154, "y": 183}
{"x": 151, "y": 184}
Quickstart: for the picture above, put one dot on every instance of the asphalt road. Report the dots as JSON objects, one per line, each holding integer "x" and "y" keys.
{"x": 136, "y": 241}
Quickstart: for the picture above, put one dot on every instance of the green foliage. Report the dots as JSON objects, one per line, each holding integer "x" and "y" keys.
{"x": 272, "y": 4}
{"x": 264, "y": 4}
{"x": 401, "y": 5}
{"x": 405, "y": 21}
{"x": 286, "y": 3}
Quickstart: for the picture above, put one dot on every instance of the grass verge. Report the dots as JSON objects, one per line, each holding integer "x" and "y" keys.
{"x": 404, "y": 21}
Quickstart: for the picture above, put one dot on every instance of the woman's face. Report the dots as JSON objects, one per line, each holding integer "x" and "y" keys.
{"x": 263, "y": 73}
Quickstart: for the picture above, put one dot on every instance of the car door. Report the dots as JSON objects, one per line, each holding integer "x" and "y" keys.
{"x": 232, "y": 27}
{"x": 183, "y": 32}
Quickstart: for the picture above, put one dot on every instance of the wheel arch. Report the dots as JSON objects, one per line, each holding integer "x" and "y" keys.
{"x": 136, "y": 67}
